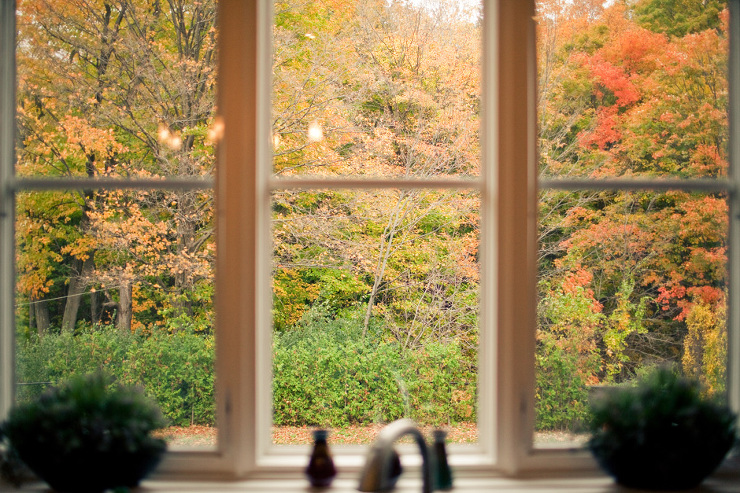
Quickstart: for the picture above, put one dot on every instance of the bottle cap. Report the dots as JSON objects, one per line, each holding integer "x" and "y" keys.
{"x": 439, "y": 435}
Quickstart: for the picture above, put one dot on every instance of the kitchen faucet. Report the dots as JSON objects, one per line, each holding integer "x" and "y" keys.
{"x": 381, "y": 469}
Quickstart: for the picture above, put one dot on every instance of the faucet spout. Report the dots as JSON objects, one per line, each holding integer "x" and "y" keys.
{"x": 379, "y": 474}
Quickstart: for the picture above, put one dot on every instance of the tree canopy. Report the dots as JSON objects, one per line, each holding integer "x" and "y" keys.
{"x": 125, "y": 88}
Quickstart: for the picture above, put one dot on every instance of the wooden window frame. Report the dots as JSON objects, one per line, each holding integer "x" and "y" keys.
{"x": 508, "y": 186}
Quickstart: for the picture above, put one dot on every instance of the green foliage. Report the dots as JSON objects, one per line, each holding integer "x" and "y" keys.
{"x": 88, "y": 412}
{"x": 661, "y": 424}
{"x": 561, "y": 395}
{"x": 174, "y": 369}
{"x": 292, "y": 296}
{"x": 197, "y": 318}
{"x": 178, "y": 371}
{"x": 679, "y": 17}
{"x": 361, "y": 387}
{"x": 624, "y": 321}
{"x": 295, "y": 291}
{"x": 441, "y": 384}
{"x": 326, "y": 374}
{"x": 55, "y": 358}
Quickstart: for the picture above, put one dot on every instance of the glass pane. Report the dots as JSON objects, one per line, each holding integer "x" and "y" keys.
{"x": 376, "y": 88}
{"x": 375, "y": 311}
{"x": 119, "y": 280}
{"x": 626, "y": 89}
{"x": 627, "y": 281}
{"x": 116, "y": 89}
{"x": 111, "y": 281}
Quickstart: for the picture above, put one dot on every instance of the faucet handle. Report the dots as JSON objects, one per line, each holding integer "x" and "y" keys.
{"x": 381, "y": 471}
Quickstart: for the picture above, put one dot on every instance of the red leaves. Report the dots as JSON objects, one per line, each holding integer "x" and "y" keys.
{"x": 637, "y": 50}
{"x": 606, "y": 133}
{"x": 615, "y": 91}
{"x": 686, "y": 297}
{"x": 614, "y": 79}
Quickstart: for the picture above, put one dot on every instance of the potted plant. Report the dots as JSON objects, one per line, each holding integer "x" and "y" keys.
{"x": 87, "y": 435}
{"x": 661, "y": 434}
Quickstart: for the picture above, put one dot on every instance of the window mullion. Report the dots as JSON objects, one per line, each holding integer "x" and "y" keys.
{"x": 7, "y": 205}
{"x": 515, "y": 199}
{"x": 67, "y": 183}
{"x": 369, "y": 183}
{"x": 634, "y": 184}
{"x": 242, "y": 261}
{"x": 733, "y": 319}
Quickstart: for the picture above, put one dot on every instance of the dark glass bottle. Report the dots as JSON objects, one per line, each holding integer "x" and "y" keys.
{"x": 441, "y": 472}
{"x": 320, "y": 470}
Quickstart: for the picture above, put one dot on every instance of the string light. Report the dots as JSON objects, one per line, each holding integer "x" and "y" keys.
{"x": 315, "y": 132}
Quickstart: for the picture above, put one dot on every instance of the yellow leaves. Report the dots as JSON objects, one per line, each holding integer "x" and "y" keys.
{"x": 705, "y": 345}
{"x": 131, "y": 235}
{"x": 80, "y": 132}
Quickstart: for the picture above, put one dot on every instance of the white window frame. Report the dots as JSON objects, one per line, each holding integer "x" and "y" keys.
{"x": 508, "y": 187}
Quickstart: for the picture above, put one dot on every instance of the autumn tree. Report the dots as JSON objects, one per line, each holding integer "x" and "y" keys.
{"x": 400, "y": 100}
{"x": 120, "y": 88}
{"x": 679, "y": 17}
{"x": 633, "y": 101}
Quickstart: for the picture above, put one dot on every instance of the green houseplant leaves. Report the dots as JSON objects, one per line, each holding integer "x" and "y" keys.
{"x": 87, "y": 435}
{"x": 661, "y": 434}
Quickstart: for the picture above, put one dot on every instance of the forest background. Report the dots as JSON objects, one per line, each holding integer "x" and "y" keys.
{"x": 375, "y": 292}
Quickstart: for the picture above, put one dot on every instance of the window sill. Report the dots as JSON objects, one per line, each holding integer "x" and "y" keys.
{"x": 349, "y": 485}
{"x": 468, "y": 479}
{"x": 726, "y": 480}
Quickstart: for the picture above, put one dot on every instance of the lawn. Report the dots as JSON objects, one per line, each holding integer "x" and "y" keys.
{"x": 205, "y": 436}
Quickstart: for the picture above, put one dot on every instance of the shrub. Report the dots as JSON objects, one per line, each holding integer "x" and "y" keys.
{"x": 561, "y": 396}
{"x": 327, "y": 374}
{"x": 332, "y": 377}
{"x": 441, "y": 385}
{"x": 174, "y": 369}
{"x": 49, "y": 360}
{"x": 177, "y": 371}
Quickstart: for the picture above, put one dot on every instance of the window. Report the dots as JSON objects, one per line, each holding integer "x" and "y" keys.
{"x": 375, "y": 273}
{"x": 507, "y": 187}
{"x": 618, "y": 287}
{"x": 113, "y": 197}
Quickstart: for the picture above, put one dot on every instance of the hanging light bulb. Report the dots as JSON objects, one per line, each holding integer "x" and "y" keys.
{"x": 315, "y": 132}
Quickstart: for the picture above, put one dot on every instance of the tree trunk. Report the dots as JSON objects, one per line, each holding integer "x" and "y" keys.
{"x": 125, "y": 306}
{"x": 398, "y": 214}
{"x": 95, "y": 308}
{"x": 31, "y": 314}
{"x": 76, "y": 288}
{"x": 41, "y": 313}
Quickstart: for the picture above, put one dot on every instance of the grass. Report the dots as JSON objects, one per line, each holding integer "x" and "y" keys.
{"x": 205, "y": 436}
